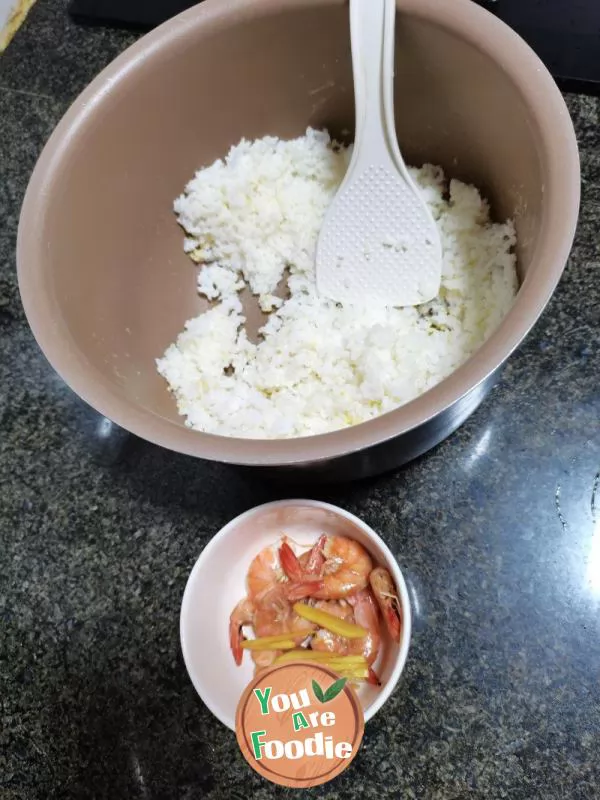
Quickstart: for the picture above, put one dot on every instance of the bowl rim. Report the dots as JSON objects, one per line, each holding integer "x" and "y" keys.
{"x": 558, "y": 148}
{"x": 390, "y": 562}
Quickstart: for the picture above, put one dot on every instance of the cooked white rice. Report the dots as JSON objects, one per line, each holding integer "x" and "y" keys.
{"x": 318, "y": 366}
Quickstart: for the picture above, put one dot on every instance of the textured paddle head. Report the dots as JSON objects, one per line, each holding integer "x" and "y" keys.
{"x": 379, "y": 243}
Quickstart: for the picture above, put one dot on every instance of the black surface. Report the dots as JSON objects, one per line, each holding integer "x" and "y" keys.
{"x": 141, "y": 14}
{"x": 564, "y": 33}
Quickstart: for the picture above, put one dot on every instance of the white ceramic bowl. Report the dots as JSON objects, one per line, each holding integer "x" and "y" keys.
{"x": 218, "y": 581}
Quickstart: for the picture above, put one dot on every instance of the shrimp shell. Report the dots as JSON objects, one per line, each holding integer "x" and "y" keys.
{"x": 386, "y": 595}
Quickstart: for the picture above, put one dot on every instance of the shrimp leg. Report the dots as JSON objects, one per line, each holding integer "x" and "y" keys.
{"x": 316, "y": 557}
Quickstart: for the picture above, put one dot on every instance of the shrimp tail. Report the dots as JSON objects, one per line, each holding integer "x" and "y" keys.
{"x": 235, "y": 641}
{"x": 372, "y": 678}
{"x": 241, "y": 615}
{"x": 289, "y": 563}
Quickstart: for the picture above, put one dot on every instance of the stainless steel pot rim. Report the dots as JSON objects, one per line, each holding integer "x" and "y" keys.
{"x": 559, "y": 151}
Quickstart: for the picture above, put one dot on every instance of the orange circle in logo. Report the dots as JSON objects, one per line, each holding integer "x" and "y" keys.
{"x": 299, "y": 724}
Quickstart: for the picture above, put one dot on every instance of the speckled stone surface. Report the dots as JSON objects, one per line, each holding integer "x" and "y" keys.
{"x": 498, "y": 530}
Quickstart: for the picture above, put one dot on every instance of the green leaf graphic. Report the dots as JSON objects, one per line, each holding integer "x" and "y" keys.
{"x": 318, "y": 692}
{"x": 334, "y": 689}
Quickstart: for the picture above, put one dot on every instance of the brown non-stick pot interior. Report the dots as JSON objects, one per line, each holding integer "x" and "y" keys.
{"x": 105, "y": 246}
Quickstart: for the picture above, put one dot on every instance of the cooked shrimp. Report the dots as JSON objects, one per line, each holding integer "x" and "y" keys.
{"x": 264, "y": 573}
{"x": 385, "y": 593}
{"x": 367, "y": 616}
{"x": 326, "y": 641}
{"x": 345, "y": 571}
{"x": 242, "y": 614}
{"x": 266, "y": 607}
{"x": 335, "y": 573}
{"x": 338, "y": 608}
{"x": 361, "y": 609}
{"x": 263, "y": 577}
{"x": 274, "y": 616}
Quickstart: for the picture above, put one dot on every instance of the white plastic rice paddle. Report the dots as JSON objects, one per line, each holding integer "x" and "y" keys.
{"x": 379, "y": 242}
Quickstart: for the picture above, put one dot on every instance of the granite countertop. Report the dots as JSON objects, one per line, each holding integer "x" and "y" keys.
{"x": 498, "y": 530}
